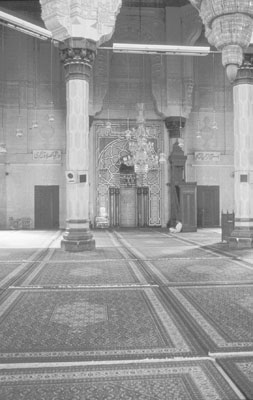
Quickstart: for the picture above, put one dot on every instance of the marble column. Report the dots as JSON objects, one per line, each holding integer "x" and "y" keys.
{"x": 77, "y": 55}
{"x": 242, "y": 235}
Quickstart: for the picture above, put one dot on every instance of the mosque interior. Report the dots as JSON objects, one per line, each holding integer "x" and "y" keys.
{"x": 117, "y": 119}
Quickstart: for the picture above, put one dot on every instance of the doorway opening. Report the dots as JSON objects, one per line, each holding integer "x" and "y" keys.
{"x": 208, "y": 206}
{"x": 46, "y": 207}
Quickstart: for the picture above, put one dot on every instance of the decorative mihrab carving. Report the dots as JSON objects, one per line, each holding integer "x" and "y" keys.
{"x": 108, "y": 161}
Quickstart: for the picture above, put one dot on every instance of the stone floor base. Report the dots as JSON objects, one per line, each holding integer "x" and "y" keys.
{"x": 78, "y": 245}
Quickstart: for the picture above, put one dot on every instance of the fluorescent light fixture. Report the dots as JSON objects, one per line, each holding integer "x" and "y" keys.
{"x": 160, "y": 49}
{"x": 23, "y": 26}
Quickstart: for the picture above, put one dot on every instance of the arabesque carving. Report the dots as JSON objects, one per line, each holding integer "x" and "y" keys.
{"x": 228, "y": 27}
{"x": 94, "y": 20}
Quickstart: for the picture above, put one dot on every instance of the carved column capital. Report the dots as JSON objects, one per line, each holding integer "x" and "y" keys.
{"x": 245, "y": 72}
{"x": 174, "y": 125}
{"x": 78, "y": 55}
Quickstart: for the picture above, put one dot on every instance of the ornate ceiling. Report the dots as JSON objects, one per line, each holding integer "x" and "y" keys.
{"x": 30, "y": 10}
{"x": 31, "y": 5}
{"x": 155, "y": 3}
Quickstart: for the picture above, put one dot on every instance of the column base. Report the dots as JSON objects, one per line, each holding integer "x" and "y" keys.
{"x": 240, "y": 239}
{"x": 77, "y": 240}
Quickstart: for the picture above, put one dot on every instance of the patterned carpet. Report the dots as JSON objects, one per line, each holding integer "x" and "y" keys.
{"x": 6, "y": 269}
{"x": 103, "y": 272}
{"x": 15, "y": 254}
{"x": 169, "y": 248}
{"x": 198, "y": 271}
{"x": 241, "y": 371}
{"x": 145, "y": 381}
{"x": 90, "y": 324}
{"x": 145, "y": 316}
{"x": 221, "y": 315}
{"x": 169, "y": 253}
{"x": 106, "y": 253}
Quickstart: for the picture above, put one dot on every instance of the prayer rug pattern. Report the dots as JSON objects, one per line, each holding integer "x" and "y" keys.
{"x": 240, "y": 370}
{"x": 154, "y": 253}
{"x": 6, "y": 269}
{"x": 90, "y": 324}
{"x": 223, "y": 314}
{"x": 106, "y": 253}
{"x": 174, "y": 249}
{"x": 202, "y": 270}
{"x": 86, "y": 273}
{"x": 16, "y": 255}
{"x": 190, "y": 380}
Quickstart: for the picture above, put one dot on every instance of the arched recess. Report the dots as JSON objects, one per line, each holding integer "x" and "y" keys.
{"x": 108, "y": 177}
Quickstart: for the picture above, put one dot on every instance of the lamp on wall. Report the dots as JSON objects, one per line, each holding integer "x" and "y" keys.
{"x": 180, "y": 140}
{"x": 108, "y": 124}
{"x": 51, "y": 112}
{"x": 198, "y": 133}
{"x": 35, "y": 123}
{"x": 197, "y": 96}
{"x": 19, "y": 130}
{"x": 2, "y": 144}
{"x": 214, "y": 124}
{"x": 2, "y": 136}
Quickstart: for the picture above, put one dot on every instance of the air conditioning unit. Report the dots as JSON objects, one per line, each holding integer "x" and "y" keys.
{"x": 71, "y": 176}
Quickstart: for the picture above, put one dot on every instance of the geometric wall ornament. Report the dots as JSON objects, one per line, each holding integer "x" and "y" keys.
{"x": 111, "y": 147}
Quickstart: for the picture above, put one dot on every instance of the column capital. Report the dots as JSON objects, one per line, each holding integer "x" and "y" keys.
{"x": 174, "y": 124}
{"x": 77, "y": 55}
{"x": 245, "y": 72}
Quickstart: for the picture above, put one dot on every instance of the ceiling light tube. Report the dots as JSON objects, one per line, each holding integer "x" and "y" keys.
{"x": 160, "y": 49}
{"x": 23, "y": 26}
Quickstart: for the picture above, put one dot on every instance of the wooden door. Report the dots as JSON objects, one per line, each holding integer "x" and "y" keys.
{"x": 142, "y": 207}
{"x": 46, "y": 207}
{"x": 208, "y": 206}
{"x": 188, "y": 209}
{"x": 128, "y": 207}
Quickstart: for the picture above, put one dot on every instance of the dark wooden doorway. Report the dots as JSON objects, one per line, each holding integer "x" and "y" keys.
{"x": 128, "y": 207}
{"x": 46, "y": 207}
{"x": 208, "y": 206}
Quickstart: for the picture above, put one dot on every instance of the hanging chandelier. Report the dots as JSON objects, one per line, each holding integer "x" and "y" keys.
{"x": 142, "y": 152}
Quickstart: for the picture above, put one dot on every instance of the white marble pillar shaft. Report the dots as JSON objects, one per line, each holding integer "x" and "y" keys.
{"x": 243, "y": 159}
{"x": 77, "y": 55}
{"x": 77, "y": 151}
{"x": 165, "y": 166}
